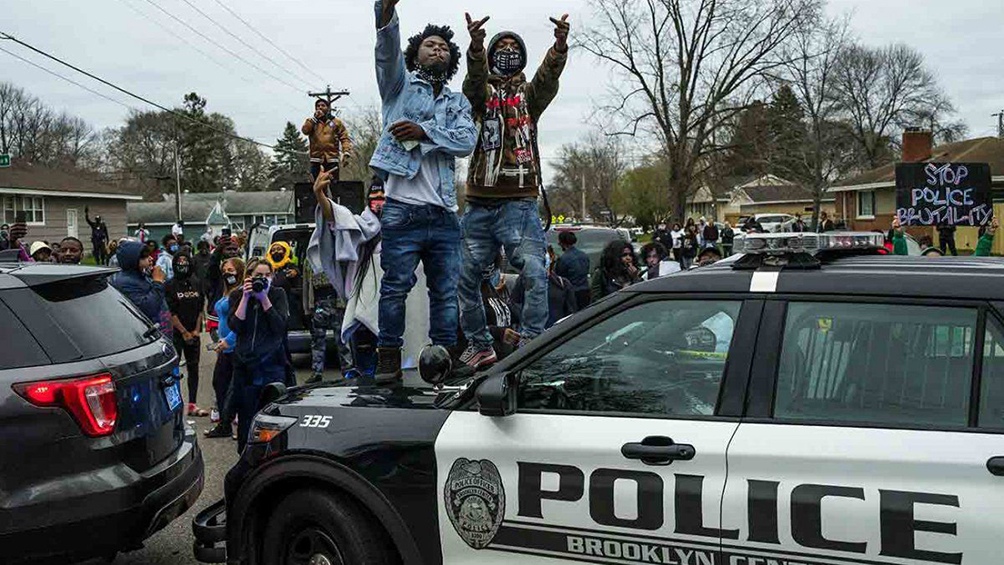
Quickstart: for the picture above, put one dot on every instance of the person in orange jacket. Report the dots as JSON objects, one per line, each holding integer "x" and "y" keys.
{"x": 330, "y": 144}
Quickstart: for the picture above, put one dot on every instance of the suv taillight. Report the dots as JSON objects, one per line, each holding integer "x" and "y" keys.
{"x": 90, "y": 400}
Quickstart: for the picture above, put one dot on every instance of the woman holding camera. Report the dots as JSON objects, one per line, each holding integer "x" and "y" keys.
{"x": 258, "y": 316}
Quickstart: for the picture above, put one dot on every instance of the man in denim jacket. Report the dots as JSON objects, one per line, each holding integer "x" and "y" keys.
{"x": 427, "y": 127}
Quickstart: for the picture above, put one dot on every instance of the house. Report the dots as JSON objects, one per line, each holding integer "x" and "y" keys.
{"x": 241, "y": 209}
{"x": 770, "y": 194}
{"x": 709, "y": 202}
{"x": 868, "y": 201}
{"x": 53, "y": 202}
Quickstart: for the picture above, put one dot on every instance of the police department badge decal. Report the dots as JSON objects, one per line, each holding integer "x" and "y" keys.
{"x": 475, "y": 500}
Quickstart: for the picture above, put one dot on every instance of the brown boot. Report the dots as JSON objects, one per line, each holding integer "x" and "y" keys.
{"x": 388, "y": 368}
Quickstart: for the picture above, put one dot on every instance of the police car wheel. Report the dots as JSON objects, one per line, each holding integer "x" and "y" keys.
{"x": 316, "y": 527}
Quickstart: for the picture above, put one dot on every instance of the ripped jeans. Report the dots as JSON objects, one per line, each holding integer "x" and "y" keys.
{"x": 515, "y": 226}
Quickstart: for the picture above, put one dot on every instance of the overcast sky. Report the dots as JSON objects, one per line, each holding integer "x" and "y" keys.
{"x": 120, "y": 40}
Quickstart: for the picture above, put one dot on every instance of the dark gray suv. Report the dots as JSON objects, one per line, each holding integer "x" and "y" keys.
{"x": 94, "y": 452}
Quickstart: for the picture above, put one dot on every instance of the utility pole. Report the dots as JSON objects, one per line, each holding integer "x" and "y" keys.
{"x": 329, "y": 95}
{"x": 1000, "y": 123}
{"x": 177, "y": 178}
{"x": 583, "y": 198}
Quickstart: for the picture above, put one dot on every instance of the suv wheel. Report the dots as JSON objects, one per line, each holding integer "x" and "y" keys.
{"x": 316, "y": 527}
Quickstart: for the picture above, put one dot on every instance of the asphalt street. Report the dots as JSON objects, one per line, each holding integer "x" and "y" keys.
{"x": 173, "y": 544}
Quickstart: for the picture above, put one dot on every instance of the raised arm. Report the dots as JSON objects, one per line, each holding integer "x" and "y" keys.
{"x": 544, "y": 86}
{"x": 321, "y": 194}
{"x": 476, "y": 81}
{"x": 390, "y": 68}
{"x": 87, "y": 218}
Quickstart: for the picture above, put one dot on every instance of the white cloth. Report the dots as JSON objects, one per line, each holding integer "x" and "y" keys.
{"x": 142, "y": 235}
{"x": 422, "y": 189}
{"x": 176, "y": 230}
{"x": 677, "y": 238}
{"x": 334, "y": 249}
{"x": 668, "y": 268}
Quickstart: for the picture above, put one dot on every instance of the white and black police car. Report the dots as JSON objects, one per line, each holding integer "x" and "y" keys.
{"x": 804, "y": 402}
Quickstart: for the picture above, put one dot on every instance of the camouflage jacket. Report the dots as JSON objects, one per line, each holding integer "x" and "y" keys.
{"x": 506, "y": 110}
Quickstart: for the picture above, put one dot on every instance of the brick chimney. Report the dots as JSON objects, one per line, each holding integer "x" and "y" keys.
{"x": 917, "y": 145}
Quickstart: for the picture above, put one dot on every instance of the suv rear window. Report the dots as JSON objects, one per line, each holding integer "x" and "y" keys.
{"x": 19, "y": 349}
{"x": 95, "y": 319}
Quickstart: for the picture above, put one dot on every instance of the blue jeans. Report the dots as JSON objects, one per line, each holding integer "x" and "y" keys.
{"x": 429, "y": 234}
{"x": 515, "y": 226}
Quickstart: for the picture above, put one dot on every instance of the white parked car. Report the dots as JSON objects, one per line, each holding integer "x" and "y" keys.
{"x": 771, "y": 222}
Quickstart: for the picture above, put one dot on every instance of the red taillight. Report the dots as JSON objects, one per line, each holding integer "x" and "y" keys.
{"x": 90, "y": 400}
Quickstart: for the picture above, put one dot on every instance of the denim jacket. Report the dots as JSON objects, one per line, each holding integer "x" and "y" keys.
{"x": 446, "y": 120}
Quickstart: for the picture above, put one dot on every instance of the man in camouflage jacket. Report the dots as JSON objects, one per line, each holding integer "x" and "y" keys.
{"x": 504, "y": 177}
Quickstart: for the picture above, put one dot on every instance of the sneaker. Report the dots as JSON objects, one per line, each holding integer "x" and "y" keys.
{"x": 218, "y": 431}
{"x": 388, "y": 365}
{"x": 477, "y": 356}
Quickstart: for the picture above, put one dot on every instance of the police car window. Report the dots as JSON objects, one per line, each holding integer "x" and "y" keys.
{"x": 660, "y": 358}
{"x": 876, "y": 363}
{"x": 992, "y": 381}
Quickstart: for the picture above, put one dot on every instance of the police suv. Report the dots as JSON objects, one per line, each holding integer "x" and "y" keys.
{"x": 803, "y": 402}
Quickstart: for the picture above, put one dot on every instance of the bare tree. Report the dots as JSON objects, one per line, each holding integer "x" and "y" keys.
{"x": 596, "y": 166}
{"x": 810, "y": 70}
{"x": 884, "y": 90}
{"x": 690, "y": 66}
{"x": 365, "y": 129}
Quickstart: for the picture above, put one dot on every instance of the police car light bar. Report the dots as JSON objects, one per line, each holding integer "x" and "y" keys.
{"x": 811, "y": 243}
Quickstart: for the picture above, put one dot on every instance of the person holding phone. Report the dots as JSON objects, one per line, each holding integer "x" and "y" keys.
{"x": 330, "y": 144}
{"x": 147, "y": 293}
{"x": 17, "y": 233}
{"x": 259, "y": 312}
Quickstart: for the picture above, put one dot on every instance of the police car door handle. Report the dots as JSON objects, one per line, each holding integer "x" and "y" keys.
{"x": 996, "y": 466}
{"x": 658, "y": 450}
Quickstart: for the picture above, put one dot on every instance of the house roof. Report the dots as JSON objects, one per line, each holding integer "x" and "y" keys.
{"x": 196, "y": 207}
{"x": 980, "y": 150}
{"x": 26, "y": 178}
{"x": 777, "y": 193}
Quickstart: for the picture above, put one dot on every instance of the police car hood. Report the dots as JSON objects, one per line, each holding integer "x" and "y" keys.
{"x": 413, "y": 392}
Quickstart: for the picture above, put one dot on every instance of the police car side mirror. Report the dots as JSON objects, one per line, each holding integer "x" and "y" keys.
{"x": 271, "y": 393}
{"x": 497, "y": 395}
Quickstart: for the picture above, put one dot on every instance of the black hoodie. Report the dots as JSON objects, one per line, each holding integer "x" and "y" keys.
{"x": 184, "y": 295}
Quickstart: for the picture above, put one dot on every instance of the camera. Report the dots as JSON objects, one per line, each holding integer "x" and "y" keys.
{"x": 259, "y": 284}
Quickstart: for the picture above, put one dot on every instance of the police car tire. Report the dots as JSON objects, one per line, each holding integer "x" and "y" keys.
{"x": 359, "y": 538}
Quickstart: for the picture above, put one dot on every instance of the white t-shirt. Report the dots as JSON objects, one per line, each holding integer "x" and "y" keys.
{"x": 176, "y": 230}
{"x": 421, "y": 190}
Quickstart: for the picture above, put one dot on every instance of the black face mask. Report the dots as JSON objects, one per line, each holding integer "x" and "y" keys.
{"x": 231, "y": 280}
{"x": 278, "y": 257}
{"x": 508, "y": 62}
{"x": 182, "y": 271}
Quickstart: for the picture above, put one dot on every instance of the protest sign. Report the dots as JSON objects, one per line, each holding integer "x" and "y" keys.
{"x": 931, "y": 194}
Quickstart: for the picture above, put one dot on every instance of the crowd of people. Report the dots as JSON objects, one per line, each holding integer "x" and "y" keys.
{"x": 488, "y": 282}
